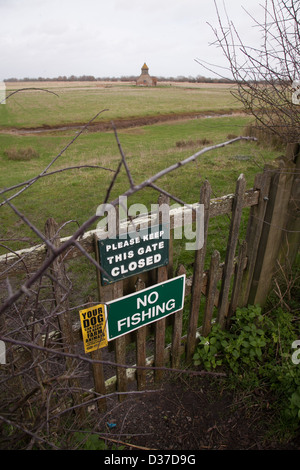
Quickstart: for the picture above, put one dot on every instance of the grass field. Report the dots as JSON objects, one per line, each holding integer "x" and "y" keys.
{"x": 74, "y": 195}
{"x": 79, "y": 102}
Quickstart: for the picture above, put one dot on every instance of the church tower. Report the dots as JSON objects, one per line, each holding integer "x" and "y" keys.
{"x": 145, "y": 79}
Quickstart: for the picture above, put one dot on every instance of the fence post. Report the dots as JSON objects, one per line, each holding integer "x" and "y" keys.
{"x": 160, "y": 325}
{"x": 140, "y": 347}
{"x": 211, "y": 292}
{"x": 98, "y": 372}
{"x": 177, "y": 330}
{"x": 254, "y": 230}
{"x": 231, "y": 248}
{"x": 238, "y": 279}
{"x": 274, "y": 228}
{"x": 205, "y": 194}
{"x": 120, "y": 350}
{"x": 291, "y": 237}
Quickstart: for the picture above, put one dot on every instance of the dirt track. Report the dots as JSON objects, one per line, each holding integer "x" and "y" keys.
{"x": 106, "y": 125}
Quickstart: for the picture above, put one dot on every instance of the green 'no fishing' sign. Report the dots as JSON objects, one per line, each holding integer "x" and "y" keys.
{"x": 143, "y": 307}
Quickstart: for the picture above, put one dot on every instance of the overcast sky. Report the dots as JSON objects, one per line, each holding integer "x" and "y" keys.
{"x": 48, "y": 38}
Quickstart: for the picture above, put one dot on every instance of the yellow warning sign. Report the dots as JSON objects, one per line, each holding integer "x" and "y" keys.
{"x": 93, "y": 326}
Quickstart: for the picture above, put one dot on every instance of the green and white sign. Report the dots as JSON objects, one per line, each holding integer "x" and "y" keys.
{"x": 134, "y": 252}
{"x": 143, "y": 307}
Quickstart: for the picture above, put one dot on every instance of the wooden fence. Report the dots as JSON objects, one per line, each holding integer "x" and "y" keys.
{"x": 243, "y": 277}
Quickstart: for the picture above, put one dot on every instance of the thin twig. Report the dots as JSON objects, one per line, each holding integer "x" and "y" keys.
{"x": 133, "y": 446}
{"x": 31, "y": 226}
{"x": 78, "y": 167}
{"x": 123, "y": 156}
{"x": 28, "y": 89}
{"x": 53, "y": 160}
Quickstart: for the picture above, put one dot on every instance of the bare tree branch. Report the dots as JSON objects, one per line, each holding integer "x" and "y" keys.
{"x": 32, "y": 181}
{"x": 264, "y": 76}
{"x": 28, "y": 89}
{"x": 77, "y": 167}
{"x": 123, "y": 156}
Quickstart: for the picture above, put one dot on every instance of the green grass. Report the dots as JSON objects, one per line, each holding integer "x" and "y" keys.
{"x": 76, "y": 194}
{"x": 75, "y": 104}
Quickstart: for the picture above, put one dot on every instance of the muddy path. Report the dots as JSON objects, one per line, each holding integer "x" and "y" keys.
{"x": 123, "y": 123}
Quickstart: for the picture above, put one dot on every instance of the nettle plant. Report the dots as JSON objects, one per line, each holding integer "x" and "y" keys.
{"x": 257, "y": 345}
{"x": 243, "y": 345}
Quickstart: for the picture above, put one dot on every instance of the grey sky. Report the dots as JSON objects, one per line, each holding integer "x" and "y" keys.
{"x": 114, "y": 37}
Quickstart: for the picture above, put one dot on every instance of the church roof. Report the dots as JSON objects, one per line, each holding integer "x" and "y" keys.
{"x": 145, "y": 67}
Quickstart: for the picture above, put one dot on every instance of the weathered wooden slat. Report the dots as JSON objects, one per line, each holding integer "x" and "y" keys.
{"x": 274, "y": 227}
{"x": 231, "y": 248}
{"x": 238, "y": 277}
{"x": 254, "y": 230}
{"x": 141, "y": 347}
{"x": 160, "y": 329}
{"x": 290, "y": 244}
{"x": 198, "y": 275}
{"x": 99, "y": 379}
{"x": 98, "y": 370}
{"x": 213, "y": 279}
{"x": 177, "y": 330}
{"x": 120, "y": 343}
{"x": 160, "y": 325}
{"x": 120, "y": 352}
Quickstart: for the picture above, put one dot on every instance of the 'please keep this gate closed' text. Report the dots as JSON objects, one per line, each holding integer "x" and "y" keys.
{"x": 122, "y": 258}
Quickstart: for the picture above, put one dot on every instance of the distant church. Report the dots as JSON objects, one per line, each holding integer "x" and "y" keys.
{"x": 145, "y": 79}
